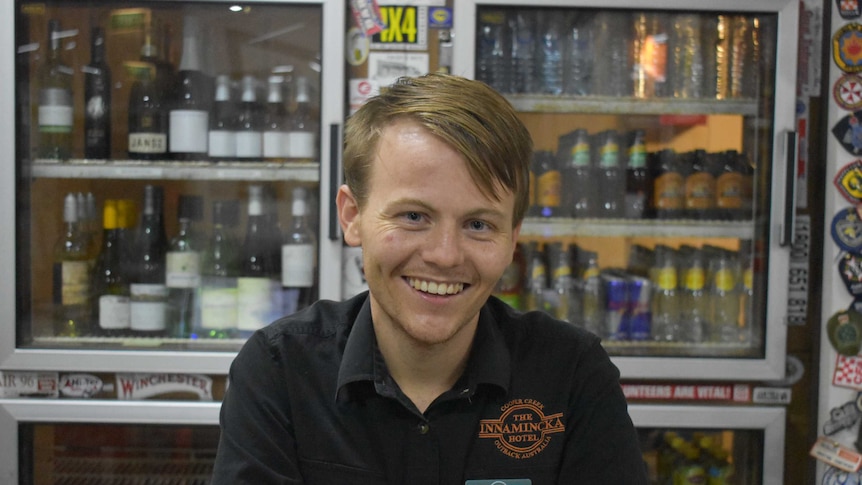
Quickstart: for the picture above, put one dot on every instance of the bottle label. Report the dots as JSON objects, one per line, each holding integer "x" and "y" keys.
{"x": 219, "y": 307}
{"x": 249, "y": 144}
{"x": 695, "y": 278}
{"x": 667, "y": 278}
{"x": 274, "y": 144}
{"x": 182, "y": 269}
{"x": 297, "y": 265}
{"x": 725, "y": 280}
{"x": 258, "y": 302}
{"x": 149, "y": 143}
{"x": 300, "y": 144}
{"x": 548, "y": 189}
{"x": 55, "y": 119}
{"x": 114, "y": 312}
{"x": 609, "y": 156}
{"x": 581, "y": 154}
{"x": 222, "y": 144}
{"x": 148, "y": 307}
{"x": 700, "y": 191}
{"x": 728, "y": 190}
{"x": 669, "y": 191}
{"x": 74, "y": 282}
{"x": 188, "y": 131}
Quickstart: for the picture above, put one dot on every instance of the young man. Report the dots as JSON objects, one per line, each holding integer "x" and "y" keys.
{"x": 426, "y": 378}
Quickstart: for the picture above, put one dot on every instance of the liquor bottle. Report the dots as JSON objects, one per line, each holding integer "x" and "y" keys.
{"x": 249, "y": 130}
{"x": 97, "y": 100}
{"x": 302, "y": 135}
{"x": 668, "y": 186}
{"x": 611, "y": 180}
{"x": 274, "y": 131}
{"x": 71, "y": 275}
{"x": 694, "y": 299}
{"x": 298, "y": 256}
{"x": 126, "y": 223}
{"x": 665, "y": 303}
{"x": 638, "y": 184}
{"x": 149, "y": 295}
{"x": 222, "y": 129}
{"x": 111, "y": 287}
{"x": 699, "y": 187}
{"x": 55, "y": 100}
{"x": 578, "y": 184}
{"x": 548, "y": 183}
{"x": 258, "y": 288}
{"x": 148, "y": 120}
{"x": 592, "y": 298}
{"x": 188, "y": 119}
{"x": 219, "y": 271}
{"x": 183, "y": 267}
{"x": 154, "y": 55}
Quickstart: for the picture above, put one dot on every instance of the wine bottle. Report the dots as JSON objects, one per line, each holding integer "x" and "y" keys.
{"x": 148, "y": 123}
{"x": 258, "y": 290}
{"x": 302, "y": 135}
{"x": 97, "y": 100}
{"x": 274, "y": 132}
{"x": 148, "y": 292}
{"x": 298, "y": 256}
{"x": 249, "y": 134}
{"x": 154, "y": 55}
{"x": 222, "y": 129}
{"x": 71, "y": 275}
{"x": 111, "y": 287}
{"x": 55, "y": 100}
{"x": 183, "y": 267}
{"x": 219, "y": 271}
{"x": 188, "y": 119}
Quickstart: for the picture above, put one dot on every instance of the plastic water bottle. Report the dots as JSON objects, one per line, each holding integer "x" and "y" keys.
{"x": 551, "y": 50}
{"x": 578, "y": 62}
{"x": 492, "y": 57}
{"x": 524, "y": 52}
{"x": 725, "y": 298}
{"x": 612, "y": 74}
{"x": 665, "y": 302}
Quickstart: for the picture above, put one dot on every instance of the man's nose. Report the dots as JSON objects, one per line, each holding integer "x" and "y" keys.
{"x": 444, "y": 246}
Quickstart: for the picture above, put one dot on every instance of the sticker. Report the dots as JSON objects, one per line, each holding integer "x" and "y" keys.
{"x": 848, "y": 180}
{"x": 844, "y": 330}
{"x": 28, "y": 384}
{"x": 83, "y": 385}
{"x": 848, "y": 9}
{"x": 149, "y": 386}
{"x": 356, "y": 48}
{"x": 387, "y": 67}
{"x": 847, "y": 230}
{"x": 833, "y": 453}
{"x": 848, "y": 131}
{"x": 405, "y": 28}
{"x": 359, "y": 90}
{"x": 842, "y": 417}
{"x": 850, "y": 270}
{"x": 848, "y": 92}
{"x": 440, "y": 18}
{"x": 847, "y": 47}
{"x": 366, "y": 14}
{"x": 771, "y": 395}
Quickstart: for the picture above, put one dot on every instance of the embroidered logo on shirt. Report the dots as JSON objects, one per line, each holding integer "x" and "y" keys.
{"x": 523, "y": 430}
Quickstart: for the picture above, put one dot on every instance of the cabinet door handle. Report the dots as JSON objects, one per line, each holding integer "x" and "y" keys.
{"x": 788, "y": 226}
{"x": 334, "y": 179}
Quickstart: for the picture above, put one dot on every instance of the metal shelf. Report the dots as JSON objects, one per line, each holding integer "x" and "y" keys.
{"x": 546, "y": 103}
{"x": 170, "y": 170}
{"x": 560, "y": 226}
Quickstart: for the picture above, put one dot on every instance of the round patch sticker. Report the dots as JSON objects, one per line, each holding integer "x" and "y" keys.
{"x": 844, "y": 330}
{"x": 848, "y": 92}
{"x": 847, "y": 47}
{"x": 850, "y": 269}
{"x": 848, "y": 181}
{"x": 847, "y": 230}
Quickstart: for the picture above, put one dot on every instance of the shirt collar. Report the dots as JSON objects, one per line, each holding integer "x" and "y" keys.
{"x": 489, "y": 363}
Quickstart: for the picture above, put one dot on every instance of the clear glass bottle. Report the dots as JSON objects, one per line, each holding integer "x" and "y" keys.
{"x": 694, "y": 299}
{"x": 219, "y": 271}
{"x": 55, "y": 116}
{"x": 665, "y": 302}
{"x": 298, "y": 256}
{"x": 111, "y": 287}
{"x": 302, "y": 136}
{"x": 725, "y": 298}
{"x": 249, "y": 129}
{"x": 258, "y": 286}
{"x": 71, "y": 274}
{"x": 275, "y": 119}
{"x": 97, "y": 100}
{"x": 183, "y": 267}
{"x": 222, "y": 130}
{"x": 188, "y": 119}
{"x": 149, "y": 294}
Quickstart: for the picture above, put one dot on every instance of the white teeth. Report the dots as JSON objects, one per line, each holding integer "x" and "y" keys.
{"x": 436, "y": 288}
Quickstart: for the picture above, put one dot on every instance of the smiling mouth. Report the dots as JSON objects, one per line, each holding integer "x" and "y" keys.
{"x": 435, "y": 288}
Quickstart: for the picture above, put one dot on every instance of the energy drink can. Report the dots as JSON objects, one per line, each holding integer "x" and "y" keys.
{"x": 639, "y": 315}
{"x": 616, "y": 305}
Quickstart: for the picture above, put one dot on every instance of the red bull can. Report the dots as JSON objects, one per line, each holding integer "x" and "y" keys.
{"x": 639, "y": 315}
{"x": 616, "y": 305}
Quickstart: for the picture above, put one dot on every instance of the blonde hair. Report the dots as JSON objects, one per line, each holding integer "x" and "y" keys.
{"x": 468, "y": 115}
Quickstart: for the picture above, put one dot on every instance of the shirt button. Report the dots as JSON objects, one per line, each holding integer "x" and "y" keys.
{"x": 423, "y": 428}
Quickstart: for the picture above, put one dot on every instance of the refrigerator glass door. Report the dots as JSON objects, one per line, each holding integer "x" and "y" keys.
{"x": 659, "y": 187}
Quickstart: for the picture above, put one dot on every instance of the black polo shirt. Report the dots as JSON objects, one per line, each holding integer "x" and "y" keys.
{"x": 311, "y": 401}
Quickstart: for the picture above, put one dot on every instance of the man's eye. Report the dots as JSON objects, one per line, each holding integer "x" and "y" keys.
{"x": 478, "y": 225}
{"x": 413, "y": 216}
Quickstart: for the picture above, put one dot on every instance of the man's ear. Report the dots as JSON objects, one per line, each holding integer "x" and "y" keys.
{"x": 348, "y": 215}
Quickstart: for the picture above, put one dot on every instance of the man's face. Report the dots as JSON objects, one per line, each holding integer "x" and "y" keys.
{"x": 434, "y": 246}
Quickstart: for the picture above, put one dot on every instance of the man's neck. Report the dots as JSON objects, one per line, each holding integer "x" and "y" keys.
{"x": 424, "y": 372}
